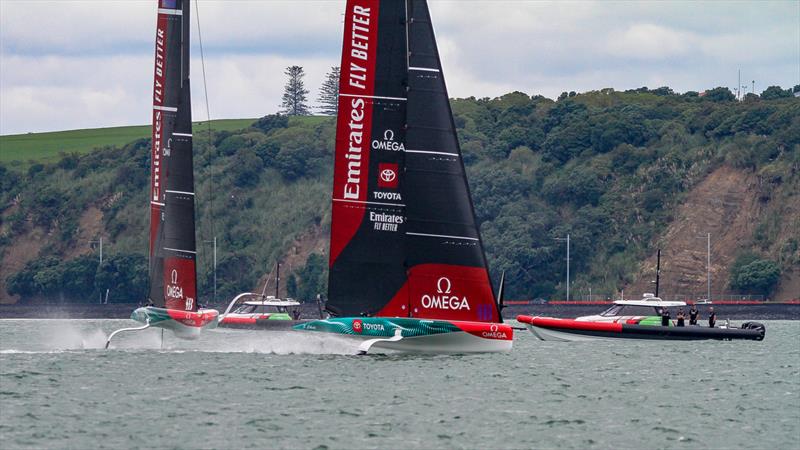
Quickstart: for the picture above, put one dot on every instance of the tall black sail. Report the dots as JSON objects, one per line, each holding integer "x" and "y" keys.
{"x": 404, "y": 240}
{"x": 172, "y": 230}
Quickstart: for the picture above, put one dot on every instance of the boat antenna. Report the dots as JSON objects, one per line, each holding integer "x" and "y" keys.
{"x": 319, "y": 305}
{"x": 266, "y": 284}
{"x": 500, "y": 292}
{"x": 277, "y": 280}
{"x": 658, "y": 270}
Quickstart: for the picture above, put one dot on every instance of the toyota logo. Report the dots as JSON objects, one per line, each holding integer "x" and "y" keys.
{"x": 388, "y": 175}
{"x": 444, "y": 281}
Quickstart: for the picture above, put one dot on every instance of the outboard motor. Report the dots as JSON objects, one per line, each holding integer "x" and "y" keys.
{"x": 757, "y": 326}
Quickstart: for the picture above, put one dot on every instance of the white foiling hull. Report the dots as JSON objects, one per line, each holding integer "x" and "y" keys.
{"x": 408, "y": 335}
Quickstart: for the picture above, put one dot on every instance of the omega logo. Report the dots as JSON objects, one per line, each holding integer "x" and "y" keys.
{"x": 443, "y": 281}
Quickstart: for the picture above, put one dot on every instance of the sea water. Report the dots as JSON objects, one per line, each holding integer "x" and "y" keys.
{"x": 257, "y": 389}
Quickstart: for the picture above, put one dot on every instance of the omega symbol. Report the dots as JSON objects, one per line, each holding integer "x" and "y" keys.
{"x": 443, "y": 281}
{"x": 174, "y": 276}
{"x": 388, "y": 135}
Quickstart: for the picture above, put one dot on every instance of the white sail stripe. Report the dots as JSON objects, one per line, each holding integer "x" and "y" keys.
{"x": 179, "y": 250}
{"x": 432, "y": 153}
{"x": 367, "y": 203}
{"x": 165, "y": 108}
{"x": 156, "y": 203}
{"x": 400, "y": 99}
{"x": 424, "y": 69}
{"x": 174, "y": 12}
{"x": 442, "y": 236}
{"x": 182, "y": 134}
{"x": 179, "y": 192}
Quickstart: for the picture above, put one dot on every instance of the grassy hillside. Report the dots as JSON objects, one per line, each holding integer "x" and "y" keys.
{"x": 20, "y": 149}
{"x": 609, "y": 168}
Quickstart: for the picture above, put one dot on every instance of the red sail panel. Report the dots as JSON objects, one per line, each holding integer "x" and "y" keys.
{"x": 447, "y": 292}
{"x": 354, "y": 122}
{"x": 180, "y": 290}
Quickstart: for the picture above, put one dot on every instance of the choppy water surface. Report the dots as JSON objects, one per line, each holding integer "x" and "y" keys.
{"x": 245, "y": 389}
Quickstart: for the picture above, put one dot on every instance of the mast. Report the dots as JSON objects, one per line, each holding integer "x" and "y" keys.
{"x": 173, "y": 275}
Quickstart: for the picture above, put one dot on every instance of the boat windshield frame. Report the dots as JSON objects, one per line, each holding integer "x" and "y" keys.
{"x": 620, "y": 310}
{"x": 260, "y": 308}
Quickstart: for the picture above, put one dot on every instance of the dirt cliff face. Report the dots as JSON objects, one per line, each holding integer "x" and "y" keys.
{"x": 730, "y": 204}
{"x": 314, "y": 240}
{"x": 28, "y": 246}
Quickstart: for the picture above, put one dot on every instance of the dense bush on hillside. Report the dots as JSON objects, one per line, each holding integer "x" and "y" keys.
{"x": 755, "y": 275}
{"x": 605, "y": 167}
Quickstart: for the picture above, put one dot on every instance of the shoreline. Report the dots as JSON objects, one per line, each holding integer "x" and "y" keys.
{"x": 763, "y": 311}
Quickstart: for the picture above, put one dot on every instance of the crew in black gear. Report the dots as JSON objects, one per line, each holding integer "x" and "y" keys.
{"x": 680, "y": 317}
{"x": 665, "y": 317}
{"x": 693, "y": 315}
{"x": 712, "y": 317}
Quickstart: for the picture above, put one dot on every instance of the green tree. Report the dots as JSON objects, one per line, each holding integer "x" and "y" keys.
{"x": 757, "y": 276}
{"x": 719, "y": 94}
{"x": 313, "y": 278}
{"x": 125, "y": 276}
{"x": 775, "y": 92}
{"x": 271, "y": 122}
{"x": 329, "y": 93}
{"x": 294, "y": 94}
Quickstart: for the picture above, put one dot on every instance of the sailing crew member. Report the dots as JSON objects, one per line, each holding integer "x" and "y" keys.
{"x": 665, "y": 317}
{"x": 712, "y": 317}
{"x": 693, "y": 315}
{"x": 680, "y": 317}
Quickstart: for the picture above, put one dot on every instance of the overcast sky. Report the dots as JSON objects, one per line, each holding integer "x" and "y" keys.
{"x": 83, "y": 64}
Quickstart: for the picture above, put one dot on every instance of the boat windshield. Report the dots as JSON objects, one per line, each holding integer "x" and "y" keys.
{"x": 245, "y": 309}
{"x": 631, "y": 310}
{"x": 613, "y": 311}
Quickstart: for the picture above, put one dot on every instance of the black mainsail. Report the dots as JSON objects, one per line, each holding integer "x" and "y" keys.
{"x": 173, "y": 277}
{"x": 404, "y": 239}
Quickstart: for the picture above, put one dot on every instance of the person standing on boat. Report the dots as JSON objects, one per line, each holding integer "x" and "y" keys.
{"x": 680, "y": 317}
{"x": 712, "y": 317}
{"x": 665, "y": 317}
{"x": 693, "y": 315}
